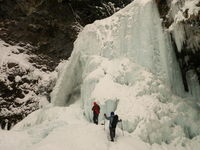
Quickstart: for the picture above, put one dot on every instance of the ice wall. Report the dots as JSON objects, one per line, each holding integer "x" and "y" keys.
{"x": 134, "y": 33}
{"x": 126, "y": 64}
{"x": 193, "y": 83}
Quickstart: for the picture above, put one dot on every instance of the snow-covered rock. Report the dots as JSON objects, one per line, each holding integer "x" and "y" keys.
{"x": 24, "y": 85}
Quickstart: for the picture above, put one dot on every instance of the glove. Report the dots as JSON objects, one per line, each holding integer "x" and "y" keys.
{"x": 120, "y": 120}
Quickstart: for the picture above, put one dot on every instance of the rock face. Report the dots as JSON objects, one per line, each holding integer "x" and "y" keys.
{"x": 51, "y": 25}
{"x": 47, "y": 25}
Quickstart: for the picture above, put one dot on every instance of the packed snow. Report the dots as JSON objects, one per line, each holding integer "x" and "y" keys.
{"x": 126, "y": 64}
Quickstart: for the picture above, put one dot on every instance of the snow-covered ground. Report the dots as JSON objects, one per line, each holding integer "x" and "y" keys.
{"x": 126, "y": 64}
{"x": 65, "y": 128}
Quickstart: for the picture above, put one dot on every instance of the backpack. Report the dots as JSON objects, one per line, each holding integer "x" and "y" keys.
{"x": 115, "y": 121}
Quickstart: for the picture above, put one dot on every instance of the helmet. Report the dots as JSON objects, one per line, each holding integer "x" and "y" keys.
{"x": 112, "y": 113}
{"x": 94, "y": 103}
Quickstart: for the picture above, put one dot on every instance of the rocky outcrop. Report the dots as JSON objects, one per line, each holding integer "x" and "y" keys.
{"x": 47, "y": 25}
{"x": 50, "y": 25}
{"x": 26, "y": 81}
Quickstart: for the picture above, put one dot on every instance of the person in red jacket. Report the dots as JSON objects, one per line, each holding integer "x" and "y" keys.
{"x": 96, "y": 111}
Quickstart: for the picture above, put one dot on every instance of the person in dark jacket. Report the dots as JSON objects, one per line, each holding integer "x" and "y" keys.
{"x": 111, "y": 128}
{"x": 96, "y": 111}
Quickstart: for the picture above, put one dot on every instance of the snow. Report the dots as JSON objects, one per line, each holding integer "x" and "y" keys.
{"x": 10, "y": 54}
{"x": 66, "y": 129}
{"x": 126, "y": 64}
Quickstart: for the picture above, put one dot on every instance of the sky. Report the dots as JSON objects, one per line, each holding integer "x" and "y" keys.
{"x": 126, "y": 64}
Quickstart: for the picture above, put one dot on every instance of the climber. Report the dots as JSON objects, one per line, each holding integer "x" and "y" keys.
{"x": 112, "y": 125}
{"x": 96, "y": 111}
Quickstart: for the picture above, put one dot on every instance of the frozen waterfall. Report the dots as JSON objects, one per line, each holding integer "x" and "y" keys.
{"x": 126, "y": 64}
{"x": 135, "y": 34}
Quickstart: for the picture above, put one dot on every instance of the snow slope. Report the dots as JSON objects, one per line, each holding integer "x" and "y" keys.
{"x": 65, "y": 128}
